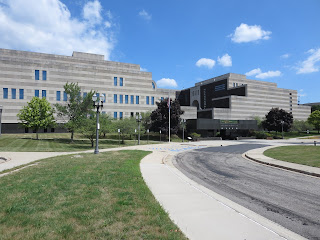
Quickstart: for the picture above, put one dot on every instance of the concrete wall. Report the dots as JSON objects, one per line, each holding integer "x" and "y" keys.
{"x": 90, "y": 71}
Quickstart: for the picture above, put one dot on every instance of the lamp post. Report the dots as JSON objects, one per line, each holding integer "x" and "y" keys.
{"x": 98, "y": 103}
{"x": 183, "y": 125}
{"x": 119, "y": 136}
{"x": 282, "y": 122}
{"x": 148, "y": 136}
{"x": 138, "y": 118}
{"x": 160, "y": 135}
{"x": 0, "y": 119}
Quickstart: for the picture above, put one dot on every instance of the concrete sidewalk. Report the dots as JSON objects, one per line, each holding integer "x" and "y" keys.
{"x": 199, "y": 212}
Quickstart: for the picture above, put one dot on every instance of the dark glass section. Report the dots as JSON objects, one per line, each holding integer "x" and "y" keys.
{"x": 183, "y": 97}
{"x": 205, "y": 114}
{"x": 221, "y": 103}
{"x": 216, "y": 90}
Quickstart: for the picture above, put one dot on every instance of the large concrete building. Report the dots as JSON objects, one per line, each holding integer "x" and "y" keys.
{"x": 231, "y": 102}
{"x": 23, "y": 75}
{"x": 226, "y": 103}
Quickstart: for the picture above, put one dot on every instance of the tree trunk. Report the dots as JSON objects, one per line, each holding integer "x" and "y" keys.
{"x": 72, "y": 132}
{"x": 37, "y": 135}
{"x": 92, "y": 142}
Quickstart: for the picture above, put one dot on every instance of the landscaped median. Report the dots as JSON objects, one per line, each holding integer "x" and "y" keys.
{"x": 83, "y": 196}
{"x": 306, "y": 155}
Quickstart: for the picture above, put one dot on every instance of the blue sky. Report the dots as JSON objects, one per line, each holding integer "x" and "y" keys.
{"x": 181, "y": 42}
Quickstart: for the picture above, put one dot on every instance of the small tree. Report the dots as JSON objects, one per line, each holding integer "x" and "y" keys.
{"x": 106, "y": 125}
{"x": 88, "y": 128}
{"x": 76, "y": 109}
{"x": 160, "y": 117}
{"x": 37, "y": 114}
{"x": 314, "y": 119}
{"x": 126, "y": 126}
{"x": 274, "y": 118}
{"x": 301, "y": 126}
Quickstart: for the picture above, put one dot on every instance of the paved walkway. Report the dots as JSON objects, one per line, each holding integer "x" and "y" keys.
{"x": 199, "y": 212}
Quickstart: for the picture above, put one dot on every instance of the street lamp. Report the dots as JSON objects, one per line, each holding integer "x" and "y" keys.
{"x": 98, "y": 103}
{"x": 183, "y": 125}
{"x": 148, "y": 136}
{"x": 282, "y": 122}
{"x": 160, "y": 135}
{"x": 138, "y": 118}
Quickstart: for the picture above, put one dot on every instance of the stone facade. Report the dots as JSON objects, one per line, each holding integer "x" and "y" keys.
{"x": 20, "y": 71}
{"x": 239, "y": 98}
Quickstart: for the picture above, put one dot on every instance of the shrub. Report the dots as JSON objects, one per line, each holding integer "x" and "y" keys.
{"x": 195, "y": 136}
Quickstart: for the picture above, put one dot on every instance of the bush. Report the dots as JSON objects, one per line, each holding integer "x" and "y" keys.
{"x": 195, "y": 136}
{"x": 261, "y": 135}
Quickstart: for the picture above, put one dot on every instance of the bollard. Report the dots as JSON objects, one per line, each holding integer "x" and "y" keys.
{"x": 315, "y": 143}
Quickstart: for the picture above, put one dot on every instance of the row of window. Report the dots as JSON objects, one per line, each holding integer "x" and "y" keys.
{"x": 37, "y": 75}
{"x": 13, "y": 93}
{"x": 115, "y": 81}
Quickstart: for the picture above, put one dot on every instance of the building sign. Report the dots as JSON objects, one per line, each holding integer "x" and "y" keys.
{"x": 229, "y": 124}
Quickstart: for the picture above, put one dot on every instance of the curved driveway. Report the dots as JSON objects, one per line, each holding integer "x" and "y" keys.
{"x": 289, "y": 199}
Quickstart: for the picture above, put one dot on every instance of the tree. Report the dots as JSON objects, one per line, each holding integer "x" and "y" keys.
{"x": 301, "y": 126}
{"x": 160, "y": 117}
{"x": 146, "y": 121}
{"x": 37, "y": 114}
{"x": 106, "y": 125}
{"x": 274, "y": 118}
{"x": 76, "y": 109}
{"x": 126, "y": 126}
{"x": 314, "y": 119}
{"x": 88, "y": 128}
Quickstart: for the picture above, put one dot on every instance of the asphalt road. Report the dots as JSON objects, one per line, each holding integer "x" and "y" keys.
{"x": 289, "y": 199}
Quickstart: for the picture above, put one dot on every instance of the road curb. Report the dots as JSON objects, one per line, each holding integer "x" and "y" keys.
{"x": 280, "y": 164}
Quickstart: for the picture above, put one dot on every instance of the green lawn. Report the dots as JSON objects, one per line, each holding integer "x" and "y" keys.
{"x": 306, "y": 155}
{"x": 54, "y": 142}
{"x": 83, "y": 196}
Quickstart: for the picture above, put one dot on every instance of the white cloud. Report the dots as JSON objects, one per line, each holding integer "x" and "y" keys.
{"x": 91, "y": 12}
{"x": 253, "y": 72}
{"x": 144, "y": 14}
{"x": 263, "y": 75}
{"x": 246, "y": 33}
{"x": 268, "y": 74}
{"x": 206, "y": 62}
{"x": 301, "y": 93}
{"x": 225, "y": 60}
{"x": 47, "y": 26}
{"x": 287, "y": 55}
{"x": 310, "y": 64}
{"x": 107, "y": 24}
{"x": 167, "y": 82}
{"x": 143, "y": 69}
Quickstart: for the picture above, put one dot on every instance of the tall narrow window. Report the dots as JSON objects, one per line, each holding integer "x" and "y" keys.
{"x": 121, "y": 115}
{"x": 36, "y": 93}
{"x": 58, "y": 98}
{"x": 5, "y": 93}
{"x": 162, "y": 98}
{"x": 131, "y": 99}
{"x": 126, "y": 99}
{"x": 65, "y": 96}
{"x": 115, "y": 115}
{"x": 121, "y": 98}
{"x": 147, "y": 100}
{"x": 105, "y": 97}
{"x": 152, "y": 100}
{"x": 36, "y": 74}
{"x": 85, "y": 94}
{"x": 13, "y": 93}
{"x": 44, "y": 93}
{"x": 44, "y": 75}
{"x": 137, "y": 99}
{"x": 115, "y": 81}
{"x": 21, "y": 93}
{"x": 121, "y": 82}
{"x": 115, "y": 98}
{"x": 153, "y": 85}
